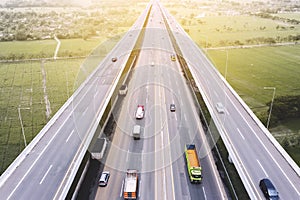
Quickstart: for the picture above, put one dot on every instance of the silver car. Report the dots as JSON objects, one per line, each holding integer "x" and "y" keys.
{"x": 220, "y": 108}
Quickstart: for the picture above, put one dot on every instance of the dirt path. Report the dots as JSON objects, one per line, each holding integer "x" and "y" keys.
{"x": 47, "y": 102}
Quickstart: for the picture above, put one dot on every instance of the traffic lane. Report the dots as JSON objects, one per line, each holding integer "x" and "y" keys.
{"x": 36, "y": 154}
{"x": 208, "y": 162}
{"x": 289, "y": 183}
{"x": 116, "y": 162}
{"x": 43, "y": 163}
{"x": 33, "y": 155}
{"x": 179, "y": 132}
{"x": 277, "y": 155}
{"x": 147, "y": 166}
{"x": 113, "y": 190}
{"x": 167, "y": 142}
{"x": 39, "y": 173}
{"x": 120, "y": 150}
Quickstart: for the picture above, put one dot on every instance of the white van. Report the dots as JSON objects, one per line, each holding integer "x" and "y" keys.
{"x": 136, "y": 132}
{"x": 123, "y": 90}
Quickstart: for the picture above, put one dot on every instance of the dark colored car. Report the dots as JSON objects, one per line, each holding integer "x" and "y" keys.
{"x": 172, "y": 107}
{"x": 114, "y": 59}
{"x": 268, "y": 189}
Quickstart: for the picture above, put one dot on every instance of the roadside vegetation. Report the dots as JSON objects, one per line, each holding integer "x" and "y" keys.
{"x": 26, "y": 65}
{"x": 249, "y": 32}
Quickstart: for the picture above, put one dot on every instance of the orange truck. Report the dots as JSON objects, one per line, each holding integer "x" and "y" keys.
{"x": 131, "y": 184}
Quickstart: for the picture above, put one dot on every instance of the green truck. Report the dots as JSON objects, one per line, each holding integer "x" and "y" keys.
{"x": 193, "y": 164}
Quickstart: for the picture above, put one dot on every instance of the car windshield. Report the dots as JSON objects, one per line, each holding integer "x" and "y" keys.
{"x": 273, "y": 193}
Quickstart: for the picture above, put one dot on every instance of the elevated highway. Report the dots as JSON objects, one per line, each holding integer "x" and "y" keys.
{"x": 47, "y": 166}
{"x": 254, "y": 151}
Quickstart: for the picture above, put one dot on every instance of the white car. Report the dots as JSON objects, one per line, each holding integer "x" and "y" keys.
{"x": 140, "y": 112}
{"x": 104, "y": 178}
{"x": 220, "y": 108}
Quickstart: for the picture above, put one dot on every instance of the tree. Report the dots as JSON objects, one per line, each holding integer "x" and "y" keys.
{"x": 21, "y": 35}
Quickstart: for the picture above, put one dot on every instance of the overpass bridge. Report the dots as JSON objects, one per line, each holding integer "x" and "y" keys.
{"x": 47, "y": 166}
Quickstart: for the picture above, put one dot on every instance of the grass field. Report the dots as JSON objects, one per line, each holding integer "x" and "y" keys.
{"x": 21, "y": 88}
{"x": 33, "y": 49}
{"x": 288, "y": 15}
{"x": 250, "y": 70}
{"x": 225, "y": 30}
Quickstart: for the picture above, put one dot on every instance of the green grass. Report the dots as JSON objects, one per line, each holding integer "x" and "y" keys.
{"x": 68, "y": 48}
{"x": 295, "y": 16}
{"x": 250, "y": 70}
{"x": 78, "y": 47}
{"x": 232, "y": 28}
{"x": 28, "y": 47}
{"x": 226, "y": 30}
{"x": 21, "y": 86}
{"x": 294, "y": 153}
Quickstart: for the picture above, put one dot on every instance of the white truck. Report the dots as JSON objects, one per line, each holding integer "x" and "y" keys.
{"x": 123, "y": 90}
{"x": 131, "y": 184}
{"x": 136, "y": 132}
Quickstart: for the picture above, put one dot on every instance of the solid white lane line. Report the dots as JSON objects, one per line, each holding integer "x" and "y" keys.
{"x": 69, "y": 136}
{"x": 121, "y": 192}
{"x": 240, "y": 133}
{"x": 262, "y": 168}
{"x": 45, "y": 174}
{"x": 140, "y": 188}
{"x": 204, "y": 192}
